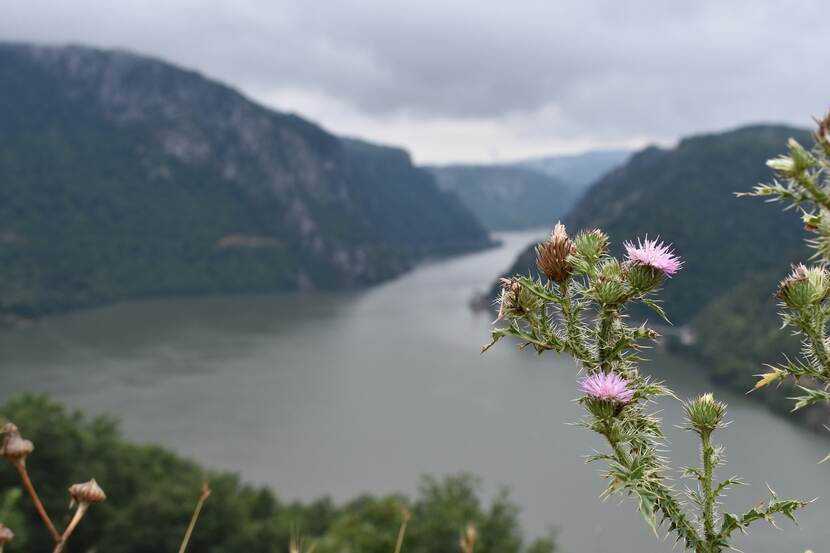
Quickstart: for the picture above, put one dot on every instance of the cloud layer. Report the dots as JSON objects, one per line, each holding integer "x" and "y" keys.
{"x": 463, "y": 80}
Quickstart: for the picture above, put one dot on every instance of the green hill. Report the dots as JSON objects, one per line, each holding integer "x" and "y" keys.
{"x": 685, "y": 196}
{"x": 507, "y": 197}
{"x": 124, "y": 177}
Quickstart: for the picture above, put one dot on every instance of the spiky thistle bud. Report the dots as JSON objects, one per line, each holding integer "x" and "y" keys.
{"x": 704, "y": 413}
{"x": 804, "y": 287}
{"x": 515, "y": 301}
{"x": 802, "y": 159}
{"x": 642, "y": 278}
{"x": 14, "y": 447}
{"x": 608, "y": 286}
{"x": 591, "y": 244}
{"x": 552, "y": 255}
{"x": 87, "y": 493}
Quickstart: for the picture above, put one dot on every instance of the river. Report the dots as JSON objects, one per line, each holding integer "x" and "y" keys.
{"x": 343, "y": 393}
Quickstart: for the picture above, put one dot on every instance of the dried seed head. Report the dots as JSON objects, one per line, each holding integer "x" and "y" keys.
{"x": 552, "y": 254}
{"x": 804, "y": 287}
{"x": 705, "y": 413}
{"x": 6, "y": 535}
{"x": 15, "y": 448}
{"x": 87, "y": 493}
{"x": 515, "y": 301}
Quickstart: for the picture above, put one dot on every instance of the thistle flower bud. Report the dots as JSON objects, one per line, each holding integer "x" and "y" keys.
{"x": 591, "y": 244}
{"x": 804, "y": 287}
{"x": 643, "y": 278}
{"x": 704, "y": 413}
{"x": 6, "y": 535}
{"x": 552, "y": 255}
{"x": 608, "y": 287}
{"x": 87, "y": 493}
{"x": 14, "y": 447}
{"x": 515, "y": 301}
{"x": 801, "y": 157}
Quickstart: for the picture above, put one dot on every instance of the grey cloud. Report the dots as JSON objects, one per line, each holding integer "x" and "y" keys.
{"x": 577, "y": 69}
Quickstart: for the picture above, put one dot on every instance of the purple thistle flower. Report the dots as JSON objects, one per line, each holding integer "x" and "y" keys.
{"x": 654, "y": 254}
{"x": 608, "y": 387}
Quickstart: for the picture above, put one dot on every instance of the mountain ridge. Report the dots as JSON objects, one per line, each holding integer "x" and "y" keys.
{"x": 122, "y": 175}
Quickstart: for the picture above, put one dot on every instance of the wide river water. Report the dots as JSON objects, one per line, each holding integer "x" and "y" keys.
{"x": 338, "y": 394}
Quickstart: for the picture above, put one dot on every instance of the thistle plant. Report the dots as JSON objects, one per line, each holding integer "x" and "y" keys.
{"x": 83, "y": 495}
{"x": 580, "y": 309}
{"x": 803, "y": 181}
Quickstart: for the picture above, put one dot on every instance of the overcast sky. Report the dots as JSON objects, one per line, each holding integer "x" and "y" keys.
{"x": 458, "y": 80}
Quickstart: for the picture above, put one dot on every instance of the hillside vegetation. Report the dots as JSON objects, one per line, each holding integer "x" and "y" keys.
{"x": 125, "y": 177}
{"x": 151, "y": 492}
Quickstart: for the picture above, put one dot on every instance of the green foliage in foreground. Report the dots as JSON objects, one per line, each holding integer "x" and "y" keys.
{"x": 151, "y": 493}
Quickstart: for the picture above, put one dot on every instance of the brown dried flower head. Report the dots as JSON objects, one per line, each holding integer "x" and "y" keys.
{"x": 15, "y": 448}
{"x": 552, "y": 254}
{"x": 87, "y": 493}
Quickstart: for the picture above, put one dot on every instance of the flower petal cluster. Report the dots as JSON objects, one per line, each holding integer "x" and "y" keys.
{"x": 654, "y": 254}
{"x": 607, "y": 387}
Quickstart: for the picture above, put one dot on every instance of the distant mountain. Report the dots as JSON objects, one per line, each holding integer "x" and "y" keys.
{"x": 507, "y": 197}
{"x": 685, "y": 196}
{"x": 123, "y": 176}
{"x": 578, "y": 170}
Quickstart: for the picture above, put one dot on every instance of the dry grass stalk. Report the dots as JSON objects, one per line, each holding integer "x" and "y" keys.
{"x": 205, "y": 493}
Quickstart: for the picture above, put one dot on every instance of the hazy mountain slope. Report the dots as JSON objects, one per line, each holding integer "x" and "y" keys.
{"x": 123, "y": 176}
{"x": 685, "y": 195}
{"x": 507, "y": 197}
{"x": 578, "y": 170}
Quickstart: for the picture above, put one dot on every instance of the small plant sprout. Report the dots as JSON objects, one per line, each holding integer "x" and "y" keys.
{"x": 802, "y": 180}
{"x": 467, "y": 542}
{"x": 580, "y": 309}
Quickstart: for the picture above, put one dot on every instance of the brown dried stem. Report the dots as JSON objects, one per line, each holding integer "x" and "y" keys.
{"x": 198, "y": 509}
{"x": 402, "y": 531}
{"x": 27, "y": 483}
{"x": 79, "y": 514}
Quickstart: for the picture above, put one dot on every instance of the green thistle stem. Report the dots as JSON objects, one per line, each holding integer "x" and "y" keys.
{"x": 708, "y": 492}
{"x": 571, "y": 318}
{"x": 815, "y": 333}
{"x": 606, "y": 338}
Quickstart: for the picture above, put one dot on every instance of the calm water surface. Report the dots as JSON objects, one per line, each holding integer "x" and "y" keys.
{"x": 339, "y": 394}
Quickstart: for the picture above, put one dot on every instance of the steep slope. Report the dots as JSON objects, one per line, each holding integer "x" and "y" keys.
{"x": 578, "y": 170}
{"x": 123, "y": 176}
{"x": 685, "y": 195}
{"x": 507, "y": 197}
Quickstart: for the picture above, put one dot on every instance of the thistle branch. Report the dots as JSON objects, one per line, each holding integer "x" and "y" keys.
{"x": 30, "y": 488}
